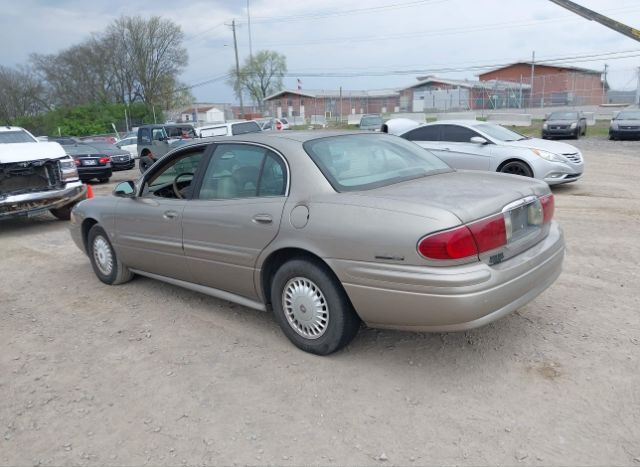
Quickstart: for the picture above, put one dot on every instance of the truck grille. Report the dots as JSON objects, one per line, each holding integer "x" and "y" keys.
{"x": 29, "y": 176}
{"x": 574, "y": 157}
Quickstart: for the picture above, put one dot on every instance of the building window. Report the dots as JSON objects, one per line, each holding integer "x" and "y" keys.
{"x": 289, "y": 102}
{"x": 301, "y": 102}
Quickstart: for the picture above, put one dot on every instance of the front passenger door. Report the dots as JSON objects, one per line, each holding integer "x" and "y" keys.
{"x": 460, "y": 153}
{"x": 234, "y": 216}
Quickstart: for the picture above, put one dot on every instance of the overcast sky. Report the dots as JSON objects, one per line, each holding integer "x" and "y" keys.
{"x": 336, "y": 36}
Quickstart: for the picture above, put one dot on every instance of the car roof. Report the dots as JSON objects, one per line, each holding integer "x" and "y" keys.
{"x": 11, "y": 128}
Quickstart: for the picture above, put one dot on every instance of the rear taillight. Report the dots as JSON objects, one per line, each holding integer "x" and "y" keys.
{"x": 451, "y": 244}
{"x": 548, "y": 206}
{"x": 490, "y": 233}
{"x": 104, "y": 160}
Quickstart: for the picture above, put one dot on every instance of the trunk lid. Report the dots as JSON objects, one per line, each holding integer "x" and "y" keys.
{"x": 469, "y": 195}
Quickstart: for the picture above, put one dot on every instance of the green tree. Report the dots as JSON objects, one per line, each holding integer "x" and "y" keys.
{"x": 260, "y": 75}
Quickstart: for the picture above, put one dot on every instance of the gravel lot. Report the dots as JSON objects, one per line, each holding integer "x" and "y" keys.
{"x": 148, "y": 373}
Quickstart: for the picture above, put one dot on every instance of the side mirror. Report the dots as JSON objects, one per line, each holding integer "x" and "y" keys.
{"x": 126, "y": 189}
{"x": 478, "y": 140}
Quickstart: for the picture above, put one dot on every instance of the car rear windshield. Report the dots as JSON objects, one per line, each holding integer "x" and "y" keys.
{"x": 370, "y": 121}
{"x": 16, "y": 136}
{"x": 243, "y": 128}
{"x": 362, "y": 162}
{"x": 563, "y": 116}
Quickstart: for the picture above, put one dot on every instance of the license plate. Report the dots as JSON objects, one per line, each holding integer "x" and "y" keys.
{"x": 522, "y": 220}
{"x": 89, "y": 162}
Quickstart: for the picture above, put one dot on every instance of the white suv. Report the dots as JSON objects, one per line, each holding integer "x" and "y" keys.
{"x": 229, "y": 129}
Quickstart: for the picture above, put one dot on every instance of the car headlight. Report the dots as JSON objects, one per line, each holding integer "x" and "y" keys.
{"x": 545, "y": 125}
{"x": 68, "y": 169}
{"x": 574, "y": 125}
{"x": 546, "y": 155}
{"x": 614, "y": 125}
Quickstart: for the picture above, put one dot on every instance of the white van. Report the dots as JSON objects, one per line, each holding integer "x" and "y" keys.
{"x": 229, "y": 129}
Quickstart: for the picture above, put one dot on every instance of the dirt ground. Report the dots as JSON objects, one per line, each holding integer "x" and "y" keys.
{"x": 148, "y": 373}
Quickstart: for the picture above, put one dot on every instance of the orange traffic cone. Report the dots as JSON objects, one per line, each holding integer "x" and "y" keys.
{"x": 89, "y": 191}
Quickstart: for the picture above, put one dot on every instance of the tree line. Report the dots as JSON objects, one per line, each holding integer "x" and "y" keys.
{"x": 134, "y": 60}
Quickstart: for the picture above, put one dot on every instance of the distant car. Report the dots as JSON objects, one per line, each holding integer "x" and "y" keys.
{"x": 476, "y": 145}
{"x": 90, "y": 162}
{"x": 277, "y": 124}
{"x": 229, "y": 129}
{"x": 129, "y": 144}
{"x": 392, "y": 236}
{"x": 625, "y": 125}
{"x": 564, "y": 124}
{"x": 155, "y": 140}
{"x": 120, "y": 158}
{"x": 371, "y": 122}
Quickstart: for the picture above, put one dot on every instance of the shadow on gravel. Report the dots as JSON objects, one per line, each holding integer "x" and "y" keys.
{"x": 30, "y": 224}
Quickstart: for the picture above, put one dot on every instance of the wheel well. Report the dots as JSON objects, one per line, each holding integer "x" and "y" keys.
{"x": 513, "y": 160}
{"x": 277, "y": 259}
{"x": 145, "y": 152}
{"x": 86, "y": 226}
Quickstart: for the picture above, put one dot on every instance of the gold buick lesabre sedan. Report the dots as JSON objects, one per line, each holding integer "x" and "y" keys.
{"x": 329, "y": 230}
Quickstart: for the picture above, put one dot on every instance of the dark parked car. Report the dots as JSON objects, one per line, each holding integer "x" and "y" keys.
{"x": 90, "y": 162}
{"x": 120, "y": 158}
{"x": 625, "y": 125}
{"x": 564, "y": 124}
{"x": 371, "y": 122}
{"x": 154, "y": 141}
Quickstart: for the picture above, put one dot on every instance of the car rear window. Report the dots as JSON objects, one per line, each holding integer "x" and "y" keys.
{"x": 17, "y": 136}
{"x": 362, "y": 162}
{"x": 245, "y": 127}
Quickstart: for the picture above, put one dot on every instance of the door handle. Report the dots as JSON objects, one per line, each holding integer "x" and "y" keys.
{"x": 262, "y": 219}
{"x": 170, "y": 214}
{"x": 446, "y": 149}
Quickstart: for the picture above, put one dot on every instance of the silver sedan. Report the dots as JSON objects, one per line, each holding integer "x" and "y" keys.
{"x": 477, "y": 145}
{"x": 329, "y": 230}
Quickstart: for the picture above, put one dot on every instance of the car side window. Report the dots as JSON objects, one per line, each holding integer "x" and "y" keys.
{"x": 424, "y": 133}
{"x": 457, "y": 134}
{"x": 145, "y": 136}
{"x": 158, "y": 134}
{"x": 235, "y": 171}
{"x": 180, "y": 170}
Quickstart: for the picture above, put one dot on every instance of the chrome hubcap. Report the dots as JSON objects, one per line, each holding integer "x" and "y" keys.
{"x": 305, "y": 307}
{"x": 102, "y": 255}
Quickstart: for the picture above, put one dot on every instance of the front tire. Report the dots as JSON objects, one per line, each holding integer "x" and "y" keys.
{"x": 312, "y": 308}
{"x": 517, "y": 168}
{"x": 104, "y": 261}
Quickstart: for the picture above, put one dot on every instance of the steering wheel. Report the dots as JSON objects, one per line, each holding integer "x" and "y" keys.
{"x": 176, "y": 190}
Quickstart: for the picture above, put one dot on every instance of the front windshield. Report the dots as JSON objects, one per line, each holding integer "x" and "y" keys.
{"x": 628, "y": 115}
{"x": 500, "y": 133}
{"x": 17, "y": 136}
{"x": 362, "y": 162}
{"x": 563, "y": 116}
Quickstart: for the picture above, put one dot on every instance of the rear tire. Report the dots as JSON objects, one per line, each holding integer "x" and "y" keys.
{"x": 104, "y": 261}
{"x": 312, "y": 308}
{"x": 517, "y": 168}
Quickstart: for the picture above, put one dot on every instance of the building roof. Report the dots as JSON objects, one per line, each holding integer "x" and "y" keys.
{"x": 493, "y": 84}
{"x": 551, "y": 65}
{"x": 320, "y": 93}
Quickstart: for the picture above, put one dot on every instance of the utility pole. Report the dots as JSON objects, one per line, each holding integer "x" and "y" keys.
{"x": 604, "y": 85}
{"x": 235, "y": 47}
{"x": 533, "y": 68}
{"x": 638, "y": 88}
{"x": 249, "y": 26}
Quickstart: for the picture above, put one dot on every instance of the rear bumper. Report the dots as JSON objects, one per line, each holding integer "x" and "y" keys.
{"x": 88, "y": 173}
{"x": 33, "y": 204}
{"x": 450, "y": 298}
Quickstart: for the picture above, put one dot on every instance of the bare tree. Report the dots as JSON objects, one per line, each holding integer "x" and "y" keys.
{"x": 21, "y": 94}
{"x": 152, "y": 51}
{"x": 260, "y": 75}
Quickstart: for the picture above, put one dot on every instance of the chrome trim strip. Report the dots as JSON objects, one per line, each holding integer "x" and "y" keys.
{"x": 221, "y": 294}
{"x": 518, "y": 203}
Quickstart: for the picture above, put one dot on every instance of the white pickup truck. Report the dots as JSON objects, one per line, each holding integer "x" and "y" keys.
{"x": 36, "y": 176}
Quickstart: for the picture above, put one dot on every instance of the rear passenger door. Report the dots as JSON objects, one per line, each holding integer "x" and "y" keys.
{"x": 234, "y": 215}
